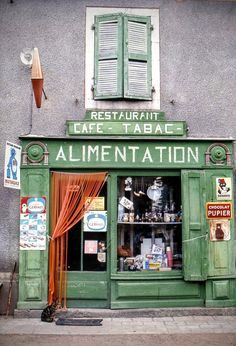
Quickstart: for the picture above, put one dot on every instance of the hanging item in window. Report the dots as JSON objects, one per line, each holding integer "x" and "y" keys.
{"x": 154, "y": 191}
{"x": 90, "y": 247}
{"x": 125, "y": 202}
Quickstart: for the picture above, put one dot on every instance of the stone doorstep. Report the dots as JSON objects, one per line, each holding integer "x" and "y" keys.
{"x": 130, "y": 313}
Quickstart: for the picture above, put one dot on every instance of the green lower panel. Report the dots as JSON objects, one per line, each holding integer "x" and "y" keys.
{"x": 157, "y": 289}
{"x": 221, "y": 293}
{"x": 154, "y": 294}
{"x": 153, "y": 304}
{"x": 87, "y": 289}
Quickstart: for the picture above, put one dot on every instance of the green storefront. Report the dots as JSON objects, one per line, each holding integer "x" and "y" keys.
{"x": 161, "y": 232}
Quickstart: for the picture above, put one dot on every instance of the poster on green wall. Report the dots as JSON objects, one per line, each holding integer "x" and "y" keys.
{"x": 33, "y": 223}
{"x": 223, "y": 188}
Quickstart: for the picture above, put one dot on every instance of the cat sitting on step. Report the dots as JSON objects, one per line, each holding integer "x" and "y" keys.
{"x": 48, "y": 313}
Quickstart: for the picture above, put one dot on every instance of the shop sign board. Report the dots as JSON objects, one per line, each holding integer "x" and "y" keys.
{"x": 108, "y": 152}
{"x": 124, "y": 115}
{"x": 12, "y": 165}
{"x": 111, "y": 154}
{"x": 130, "y": 128}
{"x": 219, "y": 210}
{"x": 33, "y": 223}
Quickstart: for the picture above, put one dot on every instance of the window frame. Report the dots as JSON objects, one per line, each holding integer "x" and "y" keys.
{"x": 90, "y": 103}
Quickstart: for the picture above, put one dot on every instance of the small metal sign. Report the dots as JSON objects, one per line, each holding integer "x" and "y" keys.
{"x": 219, "y": 210}
{"x": 223, "y": 188}
{"x": 95, "y": 221}
{"x": 219, "y": 230}
{"x": 97, "y": 203}
{"x": 12, "y": 166}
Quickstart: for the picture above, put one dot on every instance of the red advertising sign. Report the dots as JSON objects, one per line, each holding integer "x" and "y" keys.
{"x": 219, "y": 210}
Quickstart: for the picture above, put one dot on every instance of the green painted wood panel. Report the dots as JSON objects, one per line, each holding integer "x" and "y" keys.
{"x": 33, "y": 264}
{"x": 87, "y": 289}
{"x": 220, "y": 293}
{"x": 137, "y": 57}
{"x": 156, "y": 294}
{"x": 221, "y": 253}
{"x": 108, "y": 38}
{"x": 194, "y": 225}
{"x": 157, "y": 289}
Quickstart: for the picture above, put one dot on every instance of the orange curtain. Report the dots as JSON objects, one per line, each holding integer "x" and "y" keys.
{"x": 68, "y": 196}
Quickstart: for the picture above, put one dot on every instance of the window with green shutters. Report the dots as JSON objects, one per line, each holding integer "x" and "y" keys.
{"x": 122, "y": 57}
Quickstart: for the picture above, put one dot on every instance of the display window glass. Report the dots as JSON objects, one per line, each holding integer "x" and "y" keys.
{"x": 149, "y": 223}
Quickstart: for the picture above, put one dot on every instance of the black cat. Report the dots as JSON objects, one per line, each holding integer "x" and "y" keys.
{"x": 48, "y": 313}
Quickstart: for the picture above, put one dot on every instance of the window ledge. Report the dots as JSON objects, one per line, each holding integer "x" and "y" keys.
{"x": 147, "y": 275}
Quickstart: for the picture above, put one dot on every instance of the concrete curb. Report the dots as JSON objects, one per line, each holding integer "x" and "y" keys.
{"x": 131, "y": 313}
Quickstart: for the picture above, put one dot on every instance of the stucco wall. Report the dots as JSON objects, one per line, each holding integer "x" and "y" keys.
{"x": 197, "y": 72}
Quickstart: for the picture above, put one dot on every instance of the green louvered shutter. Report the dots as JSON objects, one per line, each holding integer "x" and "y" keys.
{"x": 195, "y": 240}
{"x": 108, "y": 57}
{"x": 137, "y": 57}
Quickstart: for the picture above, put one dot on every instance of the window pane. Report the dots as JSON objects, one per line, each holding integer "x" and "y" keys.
{"x": 149, "y": 223}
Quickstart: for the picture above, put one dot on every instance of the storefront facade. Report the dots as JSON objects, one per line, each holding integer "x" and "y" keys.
{"x": 162, "y": 230}
{"x": 166, "y": 209}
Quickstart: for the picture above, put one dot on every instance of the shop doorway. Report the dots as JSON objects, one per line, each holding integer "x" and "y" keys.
{"x": 78, "y": 247}
{"x": 88, "y": 258}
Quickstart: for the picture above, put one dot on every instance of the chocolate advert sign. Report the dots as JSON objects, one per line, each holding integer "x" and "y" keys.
{"x": 219, "y": 210}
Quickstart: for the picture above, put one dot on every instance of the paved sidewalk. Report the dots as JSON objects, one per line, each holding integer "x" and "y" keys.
{"x": 153, "y": 325}
{"x": 185, "y": 330}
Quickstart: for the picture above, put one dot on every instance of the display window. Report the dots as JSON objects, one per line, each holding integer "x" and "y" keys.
{"x": 149, "y": 223}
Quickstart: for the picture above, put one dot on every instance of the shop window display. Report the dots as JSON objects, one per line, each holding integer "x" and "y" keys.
{"x": 149, "y": 223}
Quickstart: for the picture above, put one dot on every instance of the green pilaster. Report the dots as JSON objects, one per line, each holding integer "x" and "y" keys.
{"x": 33, "y": 264}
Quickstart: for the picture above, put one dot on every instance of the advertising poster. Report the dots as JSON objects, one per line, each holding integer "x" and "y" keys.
{"x": 219, "y": 230}
{"x": 90, "y": 247}
{"x": 12, "y": 166}
{"x": 219, "y": 210}
{"x": 95, "y": 221}
{"x": 33, "y": 223}
{"x": 223, "y": 188}
{"x": 97, "y": 203}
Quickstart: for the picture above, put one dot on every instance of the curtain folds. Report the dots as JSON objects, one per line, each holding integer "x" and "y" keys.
{"x": 68, "y": 196}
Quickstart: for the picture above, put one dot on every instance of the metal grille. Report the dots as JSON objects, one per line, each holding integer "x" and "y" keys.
{"x": 137, "y": 38}
{"x": 137, "y": 78}
{"x": 107, "y": 77}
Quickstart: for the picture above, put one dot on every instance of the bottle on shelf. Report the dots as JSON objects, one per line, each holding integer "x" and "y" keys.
{"x": 169, "y": 257}
{"x": 131, "y": 215}
{"x": 179, "y": 215}
{"x": 166, "y": 215}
